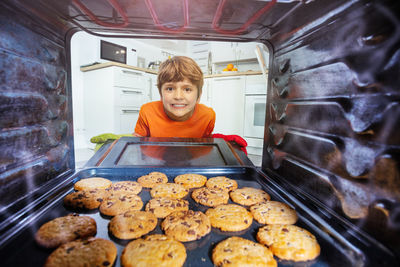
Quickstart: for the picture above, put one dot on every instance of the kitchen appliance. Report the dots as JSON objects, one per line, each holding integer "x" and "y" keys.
{"x": 331, "y": 141}
{"x": 154, "y": 65}
{"x": 113, "y": 52}
{"x": 254, "y": 114}
{"x": 254, "y": 120}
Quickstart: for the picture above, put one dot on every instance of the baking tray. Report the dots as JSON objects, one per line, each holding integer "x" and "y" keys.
{"x": 171, "y": 152}
{"x": 341, "y": 244}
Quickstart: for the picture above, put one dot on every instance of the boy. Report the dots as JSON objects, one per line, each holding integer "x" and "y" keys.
{"x": 178, "y": 114}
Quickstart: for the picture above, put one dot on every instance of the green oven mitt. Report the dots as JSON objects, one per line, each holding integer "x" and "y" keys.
{"x": 100, "y": 139}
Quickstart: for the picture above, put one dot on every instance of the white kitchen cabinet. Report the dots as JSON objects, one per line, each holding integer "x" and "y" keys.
{"x": 154, "y": 93}
{"x": 227, "y": 100}
{"x": 222, "y": 52}
{"x": 112, "y": 99}
{"x": 232, "y": 52}
{"x": 199, "y": 52}
{"x": 255, "y": 105}
{"x": 246, "y": 51}
{"x": 206, "y": 92}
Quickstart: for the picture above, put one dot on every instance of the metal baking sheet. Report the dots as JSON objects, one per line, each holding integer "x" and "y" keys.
{"x": 336, "y": 249}
{"x": 175, "y": 152}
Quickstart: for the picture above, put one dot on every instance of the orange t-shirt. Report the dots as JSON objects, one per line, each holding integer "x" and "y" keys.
{"x": 154, "y": 122}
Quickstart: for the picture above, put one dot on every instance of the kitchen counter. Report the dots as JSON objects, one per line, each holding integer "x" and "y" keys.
{"x": 116, "y": 64}
{"x": 233, "y": 73}
{"x": 110, "y": 64}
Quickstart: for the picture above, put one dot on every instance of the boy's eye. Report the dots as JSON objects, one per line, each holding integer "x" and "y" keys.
{"x": 188, "y": 89}
{"x": 169, "y": 88}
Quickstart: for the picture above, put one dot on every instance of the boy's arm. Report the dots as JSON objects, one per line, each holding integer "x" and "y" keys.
{"x": 233, "y": 138}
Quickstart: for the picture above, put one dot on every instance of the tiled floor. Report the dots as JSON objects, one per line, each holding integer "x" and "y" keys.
{"x": 257, "y": 160}
{"x": 82, "y": 156}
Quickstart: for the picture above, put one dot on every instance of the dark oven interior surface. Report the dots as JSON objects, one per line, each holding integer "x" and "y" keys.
{"x": 332, "y": 111}
{"x": 333, "y": 114}
{"x": 339, "y": 246}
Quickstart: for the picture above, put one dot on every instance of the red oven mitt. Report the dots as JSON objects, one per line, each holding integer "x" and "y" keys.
{"x": 233, "y": 138}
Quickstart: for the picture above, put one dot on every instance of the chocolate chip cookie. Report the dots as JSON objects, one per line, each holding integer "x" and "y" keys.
{"x": 289, "y": 242}
{"x": 132, "y": 224}
{"x": 170, "y": 190}
{"x": 126, "y": 186}
{"x": 237, "y": 251}
{"x": 83, "y": 252}
{"x": 152, "y": 179}
{"x": 162, "y": 207}
{"x": 65, "y": 229}
{"x": 248, "y": 196}
{"x": 154, "y": 250}
{"x": 221, "y": 182}
{"x": 273, "y": 212}
{"x": 210, "y": 197}
{"x": 186, "y": 225}
{"x": 119, "y": 202}
{"x": 191, "y": 180}
{"x": 85, "y": 199}
{"x": 230, "y": 217}
{"x": 92, "y": 183}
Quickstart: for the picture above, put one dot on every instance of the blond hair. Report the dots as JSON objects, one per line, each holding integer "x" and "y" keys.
{"x": 178, "y": 68}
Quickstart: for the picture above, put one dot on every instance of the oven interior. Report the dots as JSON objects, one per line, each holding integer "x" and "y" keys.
{"x": 331, "y": 139}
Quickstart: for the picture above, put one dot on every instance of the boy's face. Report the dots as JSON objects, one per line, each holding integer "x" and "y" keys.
{"x": 179, "y": 99}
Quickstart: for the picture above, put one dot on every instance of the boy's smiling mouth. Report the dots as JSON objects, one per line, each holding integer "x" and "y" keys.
{"x": 179, "y": 105}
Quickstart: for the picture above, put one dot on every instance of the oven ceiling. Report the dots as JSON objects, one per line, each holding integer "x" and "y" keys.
{"x": 237, "y": 20}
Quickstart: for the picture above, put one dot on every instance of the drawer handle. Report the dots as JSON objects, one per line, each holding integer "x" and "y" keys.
{"x": 226, "y": 79}
{"x": 130, "y": 111}
{"x": 132, "y": 92}
{"x": 132, "y": 72}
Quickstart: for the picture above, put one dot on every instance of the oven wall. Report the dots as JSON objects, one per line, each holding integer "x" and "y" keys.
{"x": 36, "y": 142}
{"x": 333, "y": 113}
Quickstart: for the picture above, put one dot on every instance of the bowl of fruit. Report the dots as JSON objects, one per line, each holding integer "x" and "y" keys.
{"x": 230, "y": 67}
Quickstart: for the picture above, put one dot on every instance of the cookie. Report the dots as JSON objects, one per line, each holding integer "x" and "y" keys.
{"x": 92, "y": 183}
{"x": 132, "y": 224}
{"x": 248, "y": 196}
{"x": 273, "y": 212}
{"x": 186, "y": 225}
{"x": 65, "y": 229}
{"x": 289, "y": 242}
{"x": 119, "y": 202}
{"x": 154, "y": 250}
{"x": 83, "y": 252}
{"x": 237, "y": 251}
{"x": 152, "y": 179}
{"x": 126, "y": 186}
{"x": 230, "y": 217}
{"x": 162, "y": 207}
{"x": 170, "y": 190}
{"x": 85, "y": 199}
{"x": 210, "y": 197}
{"x": 221, "y": 182}
{"x": 191, "y": 180}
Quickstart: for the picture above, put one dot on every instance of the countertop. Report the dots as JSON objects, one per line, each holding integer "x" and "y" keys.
{"x": 110, "y": 64}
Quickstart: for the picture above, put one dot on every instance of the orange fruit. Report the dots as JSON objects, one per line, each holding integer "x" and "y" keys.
{"x": 234, "y": 69}
{"x": 225, "y": 69}
{"x": 229, "y": 66}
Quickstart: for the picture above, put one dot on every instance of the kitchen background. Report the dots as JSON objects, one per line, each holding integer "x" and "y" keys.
{"x": 107, "y": 95}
